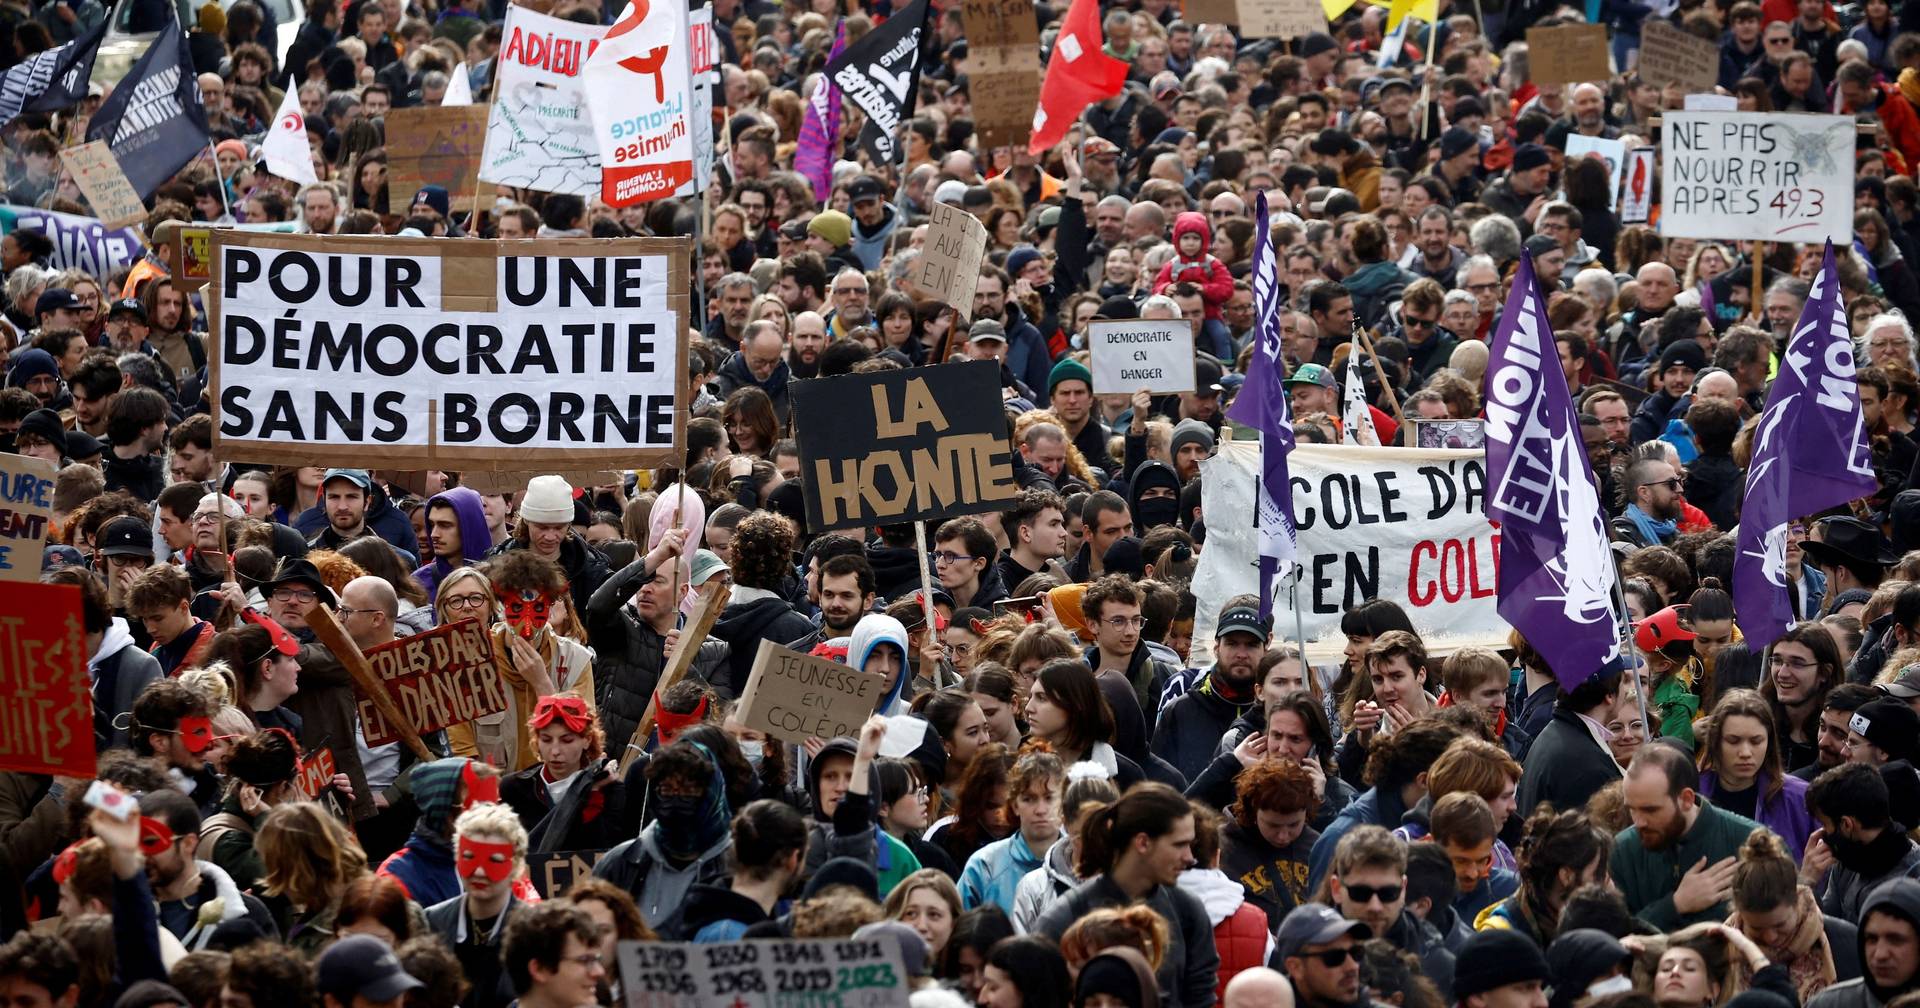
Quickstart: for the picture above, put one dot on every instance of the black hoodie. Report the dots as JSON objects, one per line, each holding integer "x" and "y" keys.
{"x": 743, "y": 625}
{"x": 1899, "y": 898}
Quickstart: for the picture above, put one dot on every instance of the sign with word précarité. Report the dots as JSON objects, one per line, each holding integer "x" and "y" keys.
{"x": 795, "y": 696}
{"x": 26, "y": 513}
{"x": 508, "y": 356}
{"x": 442, "y": 677}
{"x": 46, "y": 712}
{"x": 1131, "y": 355}
{"x": 901, "y": 446}
{"x": 764, "y": 973}
{"x": 1769, "y": 176}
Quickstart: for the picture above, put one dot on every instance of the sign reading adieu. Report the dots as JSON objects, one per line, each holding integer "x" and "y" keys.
{"x": 901, "y": 446}
{"x": 479, "y": 354}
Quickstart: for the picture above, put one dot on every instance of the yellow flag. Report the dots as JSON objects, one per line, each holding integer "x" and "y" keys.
{"x": 1425, "y": 10}
{"x": 1335, "y": 8}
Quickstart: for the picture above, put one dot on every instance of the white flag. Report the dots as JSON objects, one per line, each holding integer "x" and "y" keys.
{"x": 1354, "y": 415}
{"x": 459, "y": 89}
{"x": 285, "y": 148}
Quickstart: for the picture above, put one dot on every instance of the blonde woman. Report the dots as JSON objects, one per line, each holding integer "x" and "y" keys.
{"x": 769, "y": 306}
{"x": 310, "y": 859}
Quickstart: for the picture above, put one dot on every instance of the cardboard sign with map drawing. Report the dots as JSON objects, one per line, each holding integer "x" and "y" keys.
{"x": 1669, "y": 55}
{"x": 437, "y": 145}
{"x": 1569, "y": 54}
{"x": 98, "y": 174}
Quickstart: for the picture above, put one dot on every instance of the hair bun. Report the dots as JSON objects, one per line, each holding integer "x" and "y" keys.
{"x": 1711, "y": 583}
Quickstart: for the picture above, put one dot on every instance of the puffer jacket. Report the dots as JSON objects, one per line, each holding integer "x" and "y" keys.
{"x": 993, "y": 873}
{"x": 383, "y": 519}
{"x": 1040, "y": 887}
{"x": 1240, "y": 931}
{"x": 629, "y": 655}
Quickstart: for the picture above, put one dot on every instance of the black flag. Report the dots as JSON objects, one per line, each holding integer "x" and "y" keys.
{"x": 881, "y": 73}
{"x": 51, "y": 80}
{"x": 153, "y": 121}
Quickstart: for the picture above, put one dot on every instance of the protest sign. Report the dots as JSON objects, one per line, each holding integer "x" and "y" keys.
{"x": 442, "y": 677}
{"x": 101, "y": 181}
{"x": 1770, "y": 176}
{"x": 795, "y": 696}
{"x": 764, "y": 973}
{"x": 539, "y": 135}
{"x": 703, "y": 56}
{"x": 1404, "y": 524}
{"x": 639, "y": 84}
{"x": 26, "y": 512}
{"x": 948, "y": 269}
{"x": 1710, "y": 103}
{"x": 1281, "y": 18}
{"x": 554, "y": 871}
{"x": 1569, "y": 54}
{"x": 902, "y": 446}
{"x": 436, "y": 145}
{"x": 1212, "y": 11}
{"x": 1669, "y": 55}
{"x": 514, "y": 356}
{"x": 316, "y": 773}
{"x": 1003, "y": 69}
{"x": 1138, "y": 355}
{"x": 81, "y": 243}
{"x": 1636, "y": 190}
{"x": 193, "y": 251}
{"x": 46, "y": 714}
{"x": 1610, "y": 151}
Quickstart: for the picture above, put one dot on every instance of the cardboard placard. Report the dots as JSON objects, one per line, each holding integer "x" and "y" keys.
{"x": 193, "y": 250}
{"x": 26, "y": 515}
{"x": 1211, "y": 11}
{"x": 795, "y": 697}
{"x": 764, "y": 973}
{"x": 1281, "y": 18}
{"x": 901, "y": 446}
{"x": 1669, "y": 55}
{"x": 1771, "y": 176}
{"x": 554, "y": 871}
{"x": 475, "y": 355}
{"x": 1569, "y": 54}
{"x": 95, "y": 170}
{"x": 436, "y": 145}
{"x": 948, "y": 269}
{"x": 439, "y": 678}
{"x": 1131, "y": 355}
{"x": 316, "y": 773}
{"x": 46, "y": 714}
{"x": 1003, "y": 69}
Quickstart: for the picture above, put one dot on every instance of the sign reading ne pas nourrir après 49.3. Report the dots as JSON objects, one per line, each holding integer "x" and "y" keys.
{"x": 1756, "y": 175}
{"x": 479, "y": 354}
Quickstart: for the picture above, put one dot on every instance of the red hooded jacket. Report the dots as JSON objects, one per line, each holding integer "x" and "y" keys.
{"x": 1206, "y": 272}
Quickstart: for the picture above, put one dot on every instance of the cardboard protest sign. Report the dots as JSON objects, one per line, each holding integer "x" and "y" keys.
{"x": 46, "y": 714}
{"x": 1212, "y": 11}
{"x": 193, "y": 250}
{"x": 948, "y": 269}
{"x": 539, "y": 135}
{"x": 1669, "y": 55}
{"x": 97, "y": 173}
{"x": 1003, "y": 69}
{"x": 82, "y": 243}
{"x": 1138, "y": 355}
{"x": 1610, "y": 151}
{"x": 436, "y": 145}
{"x": 902, "y": 446}
{"x": 1770, "y": 176}
{"x": 1569, "y": 54}
{"x": 1404, "y": 524}
{"x": 26, "y": 514}
{"x": 439, "y": 678}
{"x": 795, "y": 696}
{"x": 526, "y": 355}
{"x": 316, "y": 773}
{"x": 1281, "y": 18}
{"x": 764, "y": 973}
{"x": 554, "y": 871}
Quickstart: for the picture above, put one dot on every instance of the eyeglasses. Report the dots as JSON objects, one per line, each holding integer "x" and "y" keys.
{"x": 945, "y": 557}
{"x": 1125, "y": 622}
{"x": 345, "y": 612}
{"x": 1676, "y": 484}
{"x": 292, "y": 595}
{"x": 1366, "y": 894}
{"x": 1424, "y": 323}
{"x": 1476, "y": 288}
{"x": 1780, "y": 41}
{"x": 849, "y": 290}
{"x": 206, "y": 516}
{"x": 466, "y": 601}
{"x": 587, "y": 959}
{"x": 1797, "y": 664}
{"x": 1333, "y": 958}
{"x": 1218, "y": 214}
{"x": 1637, "y": 728}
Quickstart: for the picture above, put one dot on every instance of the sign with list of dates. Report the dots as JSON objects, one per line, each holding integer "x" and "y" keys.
{"x": 774, "y": 973}
{"x": 1767, "y": 176}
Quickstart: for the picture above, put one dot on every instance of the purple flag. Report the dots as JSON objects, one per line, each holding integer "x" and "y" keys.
{"x": 1262, "y": 405}
{"x": 1556, "y": 578}
{"x": 1809, "y": 454}
{"x": 820, "y": 130}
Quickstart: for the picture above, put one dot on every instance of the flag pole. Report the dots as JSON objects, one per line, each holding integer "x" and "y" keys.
{"x": 215, "y": 155}
{"x": 1636, "y": 661}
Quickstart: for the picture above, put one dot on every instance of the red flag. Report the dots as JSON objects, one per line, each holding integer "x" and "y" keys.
{"x": 1079, "y": 74}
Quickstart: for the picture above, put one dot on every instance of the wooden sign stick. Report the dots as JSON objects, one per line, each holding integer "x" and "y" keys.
{"x": 343, "y": 648}
{"x": 713, "y": 598}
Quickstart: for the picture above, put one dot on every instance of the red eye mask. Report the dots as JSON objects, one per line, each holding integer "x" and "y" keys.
{"x": 196, "y": 733}
{"x": 571, "y": 711}
{"x": 480, "y": 790}
{"x": 479, "y": 857}
{"x": 527, "y": 611}
{"x": 155, "y": 837}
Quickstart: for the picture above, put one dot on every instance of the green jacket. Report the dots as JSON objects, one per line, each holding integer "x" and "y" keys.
{"x": 1673, "y": 708}
{"x": 1647, "y": 878}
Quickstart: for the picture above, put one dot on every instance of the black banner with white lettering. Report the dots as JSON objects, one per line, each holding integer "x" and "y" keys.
{"x": 52, "y": 80}
{"x": 881, "y": 73}
{"x": 900, "y": 446}
{"x": 153, "y": 121}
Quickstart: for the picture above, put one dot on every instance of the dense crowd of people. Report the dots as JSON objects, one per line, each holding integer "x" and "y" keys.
{"x": 1059, "y": 800}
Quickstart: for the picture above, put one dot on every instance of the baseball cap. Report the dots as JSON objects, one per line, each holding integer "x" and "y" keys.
{"x": 1096, "y": 146}
{"x": 1242, "y": 619}
{"x": 1311, "y": 374}
{"x": 358, "y": 477}
{"x": 794, "y": 230}
{"x": 56, "y": 299}
{"x": 128, "y": 306}
{"x": 1889, "y": 724}
{"x": 864, "y": 188}
{"x": 125, "y": 536}
{"x": 1314, "y": 924}
{"x": 1906, "y": 687}
{"x": 706, "y": 564}
{"x": 363, "y": 965}
{"x": 986, "y": 329}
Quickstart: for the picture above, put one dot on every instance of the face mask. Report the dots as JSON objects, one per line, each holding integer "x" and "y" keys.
{"x": 1611, "y": 985}
{"x": 1157, "y": 511}
{"x": 196, "y": 733}
{"x": 526, "y": 611}
{"x": 754, "y": 750}
{"x": 478, "y": 857}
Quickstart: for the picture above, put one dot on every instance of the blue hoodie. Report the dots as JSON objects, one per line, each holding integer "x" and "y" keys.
{"x": 475, "y": 538}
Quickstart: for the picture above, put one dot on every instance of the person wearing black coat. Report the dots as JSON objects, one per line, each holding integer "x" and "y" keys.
{"x": 627, "y": 619}
{"x": 1568, "y": 763}
{"x": 318, "y": 32}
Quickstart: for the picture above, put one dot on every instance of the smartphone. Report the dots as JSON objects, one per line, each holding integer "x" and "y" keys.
{"x": 1025, "y": 604}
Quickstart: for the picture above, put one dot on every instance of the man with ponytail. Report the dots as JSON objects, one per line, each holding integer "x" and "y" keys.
{"x": 1132, "y": 851}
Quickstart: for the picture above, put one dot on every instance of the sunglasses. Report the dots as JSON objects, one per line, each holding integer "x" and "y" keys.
{"x": 1366, "y": 894}
{"x": 1333, "y": 958}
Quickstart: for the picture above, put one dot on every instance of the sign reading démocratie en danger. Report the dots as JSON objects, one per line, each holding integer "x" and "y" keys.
{"x": 439, "y": 678}
{"x": 900, "y": 446}
{"x": 1135, "y": 356}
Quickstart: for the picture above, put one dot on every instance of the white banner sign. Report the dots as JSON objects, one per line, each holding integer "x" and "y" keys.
{"x": 1404, "y": 524}
{"x": 1132, "y": 356}
{"x": 702, "y": 54}
{"x": 1756, "y": 175}
{"x": 639, "y": 86}
{"x": 1610, "y": 151}
{"x": 539, "y": 135}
